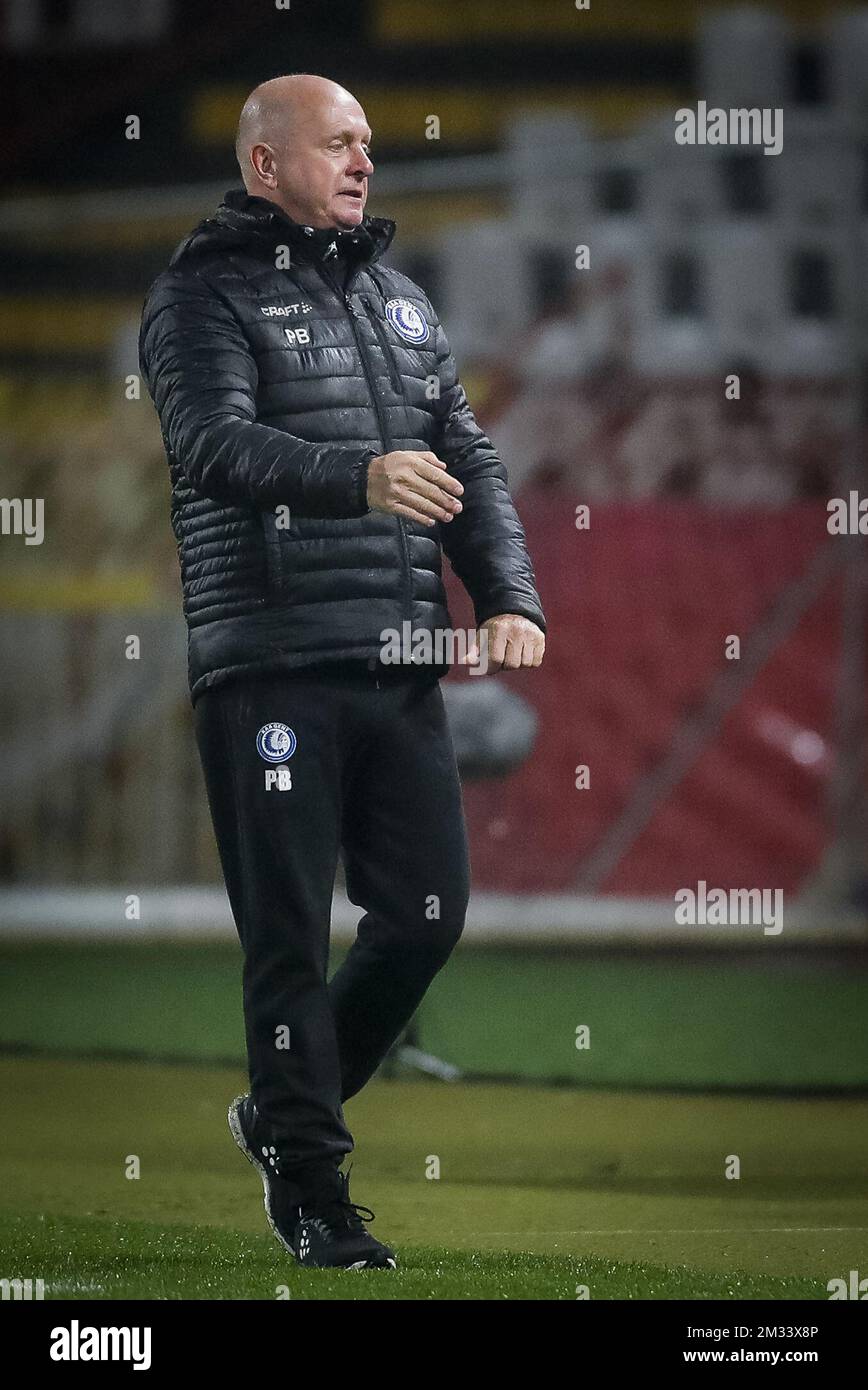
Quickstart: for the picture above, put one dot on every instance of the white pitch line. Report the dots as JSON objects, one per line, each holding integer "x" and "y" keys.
{"x": 73, "y": 1286}
{"x": 719, "y": 1231}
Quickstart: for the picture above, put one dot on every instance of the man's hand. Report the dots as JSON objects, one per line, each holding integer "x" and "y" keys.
{"x": 513, "y": 642}
{"x": 413, "y": 484}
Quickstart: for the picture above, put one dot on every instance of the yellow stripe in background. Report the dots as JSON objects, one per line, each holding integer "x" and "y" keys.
{"x": 58, "y": 592}
{"x": 480, "y": 115}
{"x": 468, "y": 115}
{"x": 445, "y": 22}
{"x": 213, "y": 114}
{"x": 123, "y": 232}
{"x": 59, "y": 324}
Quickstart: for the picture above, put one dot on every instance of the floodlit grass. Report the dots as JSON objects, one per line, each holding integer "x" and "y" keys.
{"x": 541, "y": 1190}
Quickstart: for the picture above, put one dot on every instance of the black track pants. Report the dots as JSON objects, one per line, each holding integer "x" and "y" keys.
{"x": 362, "y": 762}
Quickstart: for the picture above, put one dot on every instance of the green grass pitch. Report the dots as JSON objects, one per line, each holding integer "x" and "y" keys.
{"x": 542, "y": 1190}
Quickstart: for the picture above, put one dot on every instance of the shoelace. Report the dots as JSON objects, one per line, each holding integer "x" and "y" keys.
{"x": 339, "y": 1212}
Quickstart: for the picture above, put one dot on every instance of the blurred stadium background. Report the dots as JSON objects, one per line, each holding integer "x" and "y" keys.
{"x": 603, "y": 387}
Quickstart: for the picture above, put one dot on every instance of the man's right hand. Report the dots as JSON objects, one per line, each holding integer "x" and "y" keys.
{"x": 413, "y": 484}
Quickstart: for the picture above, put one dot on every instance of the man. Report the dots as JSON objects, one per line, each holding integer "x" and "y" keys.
{"x": 321, "y": 451}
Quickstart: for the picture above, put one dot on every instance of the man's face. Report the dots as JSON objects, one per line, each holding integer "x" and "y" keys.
{"x": 322, "y": 171}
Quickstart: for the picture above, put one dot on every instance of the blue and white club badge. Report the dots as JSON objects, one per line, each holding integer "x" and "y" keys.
{"x": 276, "y": 742}
{"x": 406, "y": 320}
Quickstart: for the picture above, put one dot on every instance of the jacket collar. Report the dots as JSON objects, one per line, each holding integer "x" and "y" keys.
{"x": 242, "y": 219}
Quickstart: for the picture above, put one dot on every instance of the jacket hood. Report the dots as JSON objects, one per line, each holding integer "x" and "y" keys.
{"x": 242, "y": 221}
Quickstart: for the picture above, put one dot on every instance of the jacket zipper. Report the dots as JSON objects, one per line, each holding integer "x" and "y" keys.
{"x": 388, "y": 355}
{"x": 385, "y": 436}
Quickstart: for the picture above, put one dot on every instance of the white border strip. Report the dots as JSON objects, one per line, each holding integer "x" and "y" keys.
{"x": 519, "y": 919}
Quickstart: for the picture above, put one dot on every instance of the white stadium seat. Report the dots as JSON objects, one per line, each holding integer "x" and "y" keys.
{"x": 743, "y": 58}
{"x": 847, "y": 64}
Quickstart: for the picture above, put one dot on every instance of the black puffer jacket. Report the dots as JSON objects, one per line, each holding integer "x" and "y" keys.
{"x": 281, "y": 360}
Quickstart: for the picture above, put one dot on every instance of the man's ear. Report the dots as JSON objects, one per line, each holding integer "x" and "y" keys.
{"x": 262, "y": 159}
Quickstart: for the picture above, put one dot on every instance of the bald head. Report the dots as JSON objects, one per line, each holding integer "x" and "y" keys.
{"x": 274, "y": 108}
{"x": 303, "y": 142}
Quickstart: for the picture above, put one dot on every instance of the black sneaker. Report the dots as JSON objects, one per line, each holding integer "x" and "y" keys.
{"x": 331, "y": 1232}
{"x": 309, "y": 1211}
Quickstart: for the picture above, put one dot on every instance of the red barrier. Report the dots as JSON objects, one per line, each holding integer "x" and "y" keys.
{"x": 640, "y": 607}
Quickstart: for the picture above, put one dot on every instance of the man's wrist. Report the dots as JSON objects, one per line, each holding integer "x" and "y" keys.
{"x": 487, "y": 615}
{"x": 360, "y": 481}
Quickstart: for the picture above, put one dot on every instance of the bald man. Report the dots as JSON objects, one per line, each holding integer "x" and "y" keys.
{"x": 322, "y": 457}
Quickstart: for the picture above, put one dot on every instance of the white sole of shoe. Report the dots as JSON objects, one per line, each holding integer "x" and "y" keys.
{"x": 238, "y": 1135}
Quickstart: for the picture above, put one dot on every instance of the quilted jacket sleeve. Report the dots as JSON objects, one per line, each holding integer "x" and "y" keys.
{"x": 485, "y": 542}
{"x": 200, "y": 373}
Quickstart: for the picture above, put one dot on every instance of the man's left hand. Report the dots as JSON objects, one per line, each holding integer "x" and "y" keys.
{"x": 513, "y": 642}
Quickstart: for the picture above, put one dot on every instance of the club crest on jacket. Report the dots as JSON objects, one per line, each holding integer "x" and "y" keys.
{"x": 406, "y": 319}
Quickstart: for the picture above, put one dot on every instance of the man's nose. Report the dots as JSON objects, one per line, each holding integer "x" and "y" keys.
{"x": 361, "y": 164}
